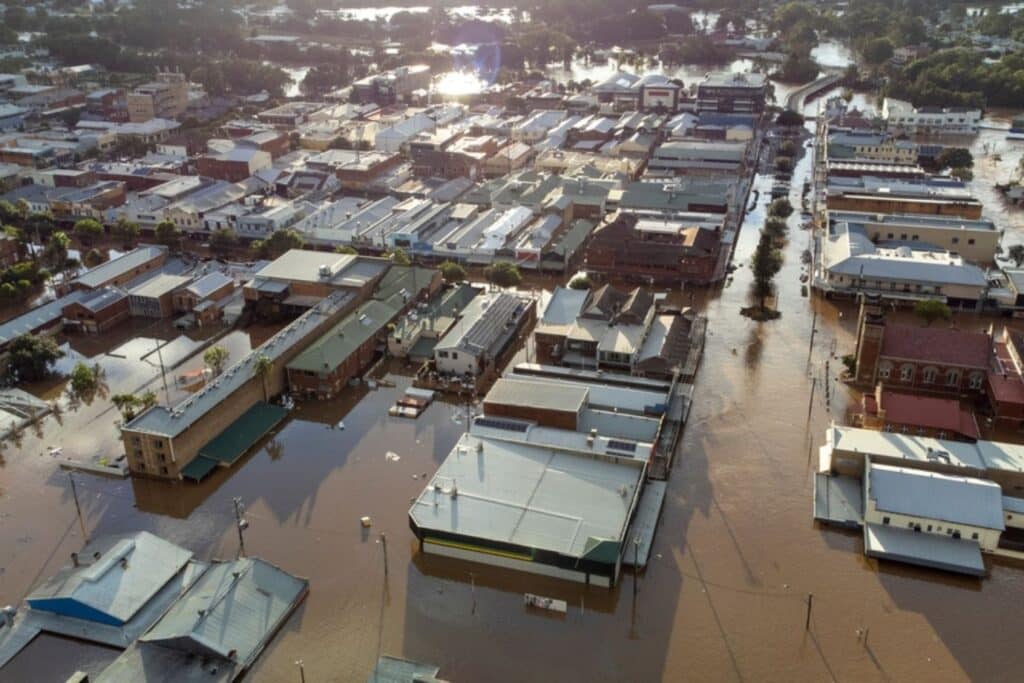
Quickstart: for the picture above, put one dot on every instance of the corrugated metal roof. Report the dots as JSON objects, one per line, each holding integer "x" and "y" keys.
{"x": 539, "y": 395}
{"x": 919, "y": 493}
{"x": 123, "y": 264}
{"x": 342, "y": 340}
{"x": 926, "y": 550}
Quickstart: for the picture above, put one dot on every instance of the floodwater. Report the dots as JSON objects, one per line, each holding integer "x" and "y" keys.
{"x": 725, "y": 595}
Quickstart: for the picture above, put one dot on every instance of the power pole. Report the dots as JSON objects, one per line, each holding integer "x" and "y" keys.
{"x": 240, "y": 524}
{"x": 384, "y": 545}
{"x": 302, "y": 671}
{"x": 163, "y": 373}
{"x": 78, "y": 508}
{"x": 810, "y": 603}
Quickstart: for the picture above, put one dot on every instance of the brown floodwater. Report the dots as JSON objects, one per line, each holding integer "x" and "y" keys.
{"x": 724, "y": 596}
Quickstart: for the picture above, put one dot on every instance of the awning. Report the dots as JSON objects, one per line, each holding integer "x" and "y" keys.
{"x": 232, "y": 443}
{"x": 199, "y": 468}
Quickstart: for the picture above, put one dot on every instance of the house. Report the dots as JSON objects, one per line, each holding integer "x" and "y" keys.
{"x": 682, "y": 247}
{"x": 938, "y": 360}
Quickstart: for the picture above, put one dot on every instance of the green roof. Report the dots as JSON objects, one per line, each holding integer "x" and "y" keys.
{"x": 570, "y": 241}
{"x": 199, "y": 468}
{"x": 342, "y": 340}
{"x": 240, "y": 435}
{"x": 410, "y": 278}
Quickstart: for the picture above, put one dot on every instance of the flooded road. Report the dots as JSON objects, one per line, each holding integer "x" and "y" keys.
{"x": 725, "y": 595}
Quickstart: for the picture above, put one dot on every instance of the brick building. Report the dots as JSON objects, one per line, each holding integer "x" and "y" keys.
{"x": 97, "y": 311}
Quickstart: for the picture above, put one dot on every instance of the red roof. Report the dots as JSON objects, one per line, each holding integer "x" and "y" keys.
{"x": 1005, "y": 386}
{"x": 930, "y": 412}
{"x": 939, "y": 345}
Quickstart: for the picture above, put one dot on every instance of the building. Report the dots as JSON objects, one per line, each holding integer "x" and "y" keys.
{"x": 932, "y": 196}
{"x": 165, "y": 98}
{"x": 489, "y": 327}
{"x": 668, "y": 198}
{"x": 681, "y": 247}
{"x": 121, "y": 270}
{"x": 391, "y": 86}
{"x": 727, "y": 92}
{"x": 235, "y": 164}
{"x": 869, "y": 145}
{"x": 218, "y": 628}
{"x": 905, "y": 413}
{"x": 110, "y": 593}
{"x": 607, "y": 329}
{"x": 342, "y": 353}
{"x": 1004, "y": 383}
{"x": 849, "y": 264}
{"x": 288, "y": 115}
{"x": 212, "y": 287}
{"x": 903, "y": 117}
{"x": 217, "y": 425}
{"x": 975, "y": 241}
{"x": 97, "y": 310}
{"x": 154, "y": 298}
{"x": 926, "y": 359}
{"x": 697, "y": 158}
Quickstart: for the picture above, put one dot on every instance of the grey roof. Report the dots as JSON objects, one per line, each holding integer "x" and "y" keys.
{"x": 38, "y": 317}
{"x": 564, "y": 306}
{"x": 909, "y": 220}
{"x": 98, "y": 299}
{"x": 129, "y": 571}
{"x": 395, "y": 670}
{"x": 484, "y": 324}
{"x": 156, "y": 287}
{"x": 530, "y": 496}
{"x": 540, "y": 395}
{"x": 918, "y": 493}
{"x": 610, "y": 397}
{"x": 105, "y": 272}
{"x": 209, "y": 283}
{"x": 160, "y": 420}
{"x": 926, "y": 550}
{"x": 304, "y": 265}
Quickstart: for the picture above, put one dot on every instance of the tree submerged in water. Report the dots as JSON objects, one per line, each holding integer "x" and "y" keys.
{"x": 765, "y": 265}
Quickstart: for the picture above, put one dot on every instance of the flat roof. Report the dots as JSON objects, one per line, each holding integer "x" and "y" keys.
{"x": 923, "y": 549}
{"x": 304, "y": 265}
{"x": 530, "y": 496}
{"x": 537, "y": 394}
{"x": 160, "y": 285}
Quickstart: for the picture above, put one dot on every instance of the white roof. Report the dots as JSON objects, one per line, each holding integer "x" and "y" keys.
{"x": 919, "y": 493}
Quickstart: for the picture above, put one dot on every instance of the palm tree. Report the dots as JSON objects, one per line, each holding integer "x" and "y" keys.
{"x": 263, "y": 367}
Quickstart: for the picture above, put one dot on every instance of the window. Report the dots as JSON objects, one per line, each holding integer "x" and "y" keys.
{"x": 903, "y": 236}
{"x": 952, "y": 378}
{"x": 913, "y": 238}
{"x": 163, "y": 470}
{"x": 884, "y": 370}
{"x": 885, "y": 520}
{"x": 974, "y": 536}
{"x": 956, "y": 240}
{"x": 907, "y": 373}
{"x": 970, "y": 241}
{"x": 455, "y": 355}
{"x": 929, "y": 375}
{"x": 975, "y": 380}
{"x": 442, "y": 354}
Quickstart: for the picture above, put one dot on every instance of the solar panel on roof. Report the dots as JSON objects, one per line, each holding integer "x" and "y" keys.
{"x": 624, "y": 446}
{"x": 506, "y": 425}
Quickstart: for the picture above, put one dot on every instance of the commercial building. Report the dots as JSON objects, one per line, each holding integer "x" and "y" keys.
{"x": 489, "y": 327}
{"x": 1004, "y": 383}
{"x": 849, "y": 264}
{"x": 727, "y": 92}
{"x": 927, "y": 359}
{"x": 974, "y": 240}
{"x": 681, "y": 195}
{"x": 166, "y": 98}
{"x": 903, "y": 117}
{"x": 868, "y": 145}
{"x": 121, "y": 270}
{"x": 235, "y": 164}
{"x": 671, "y": 249}
{"x": 693, "y": 157}
{"x": 154, "y": 297}
{"x": 906, "y": 413}
{"x": 932, "y": 196}
{"x": 96, "y": 311}
{"x": 217, "y": 425}
{"x": 391, "y": 86}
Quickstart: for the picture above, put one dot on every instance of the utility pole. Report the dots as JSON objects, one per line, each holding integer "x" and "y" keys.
{"x": 302, "y": 671}
{"x": 78, "y": 508}
{"x": 384, "y": 545}
{"x": 240, "y": 524}
{"x": 636, "y": 566}
{"x": 163, "y": 373}
{"x": 810, "y": 603}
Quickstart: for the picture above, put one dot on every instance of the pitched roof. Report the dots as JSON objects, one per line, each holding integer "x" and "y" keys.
{"x": 342, "y": 340}
{"x": 939, "y": 345}
{"x": 929, "y": 411}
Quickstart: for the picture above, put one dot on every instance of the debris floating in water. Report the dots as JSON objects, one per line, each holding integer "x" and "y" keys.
{"x": 366, "y": 522}
{"x": 341, "y": 424}
{"x": 391, "y": 456}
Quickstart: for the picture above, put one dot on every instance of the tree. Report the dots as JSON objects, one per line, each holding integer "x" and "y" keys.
{"x": 167, "y": 234}
{"x": 776, "y": 227}
{"x": 931, "y": 310}
{"x": 765, "y": 264}
{"x": 452, "y": 272}
{"x": 39, "y": 225}
{"x": 126, "y": 231}
{"x": 216, "y": 357}
{"x": 263, "y": 367}
{"x": 789, "y": 119}
{"x": 962, "y": 174}
{"x": 503, "y": 274}
{"x": 877, "y": 51}
{"x": 10, "y": 212}
{"x": 784, "y": 164}
{"x": 581, "y": 282}
{"x": 1016, "y": 253}
{"x": 398, "y": 256}
{"x": 87, "y": 230}
{"x": 93, "y": 258}
{"x": 780, "y": 208}
{"x": 83, "y": 378}
{"x": 148, "y": 399}
{"x": 345, "y": 249}
{"x": 32, "y": 357}
{"x": 955, "y": 157}
{"x": 278, "y": 243}
{"x": 56, "y": 252}
{"x": 126, "y": 403}
{"x": 223, "y": 240}
{"x": 787, "y": 148}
